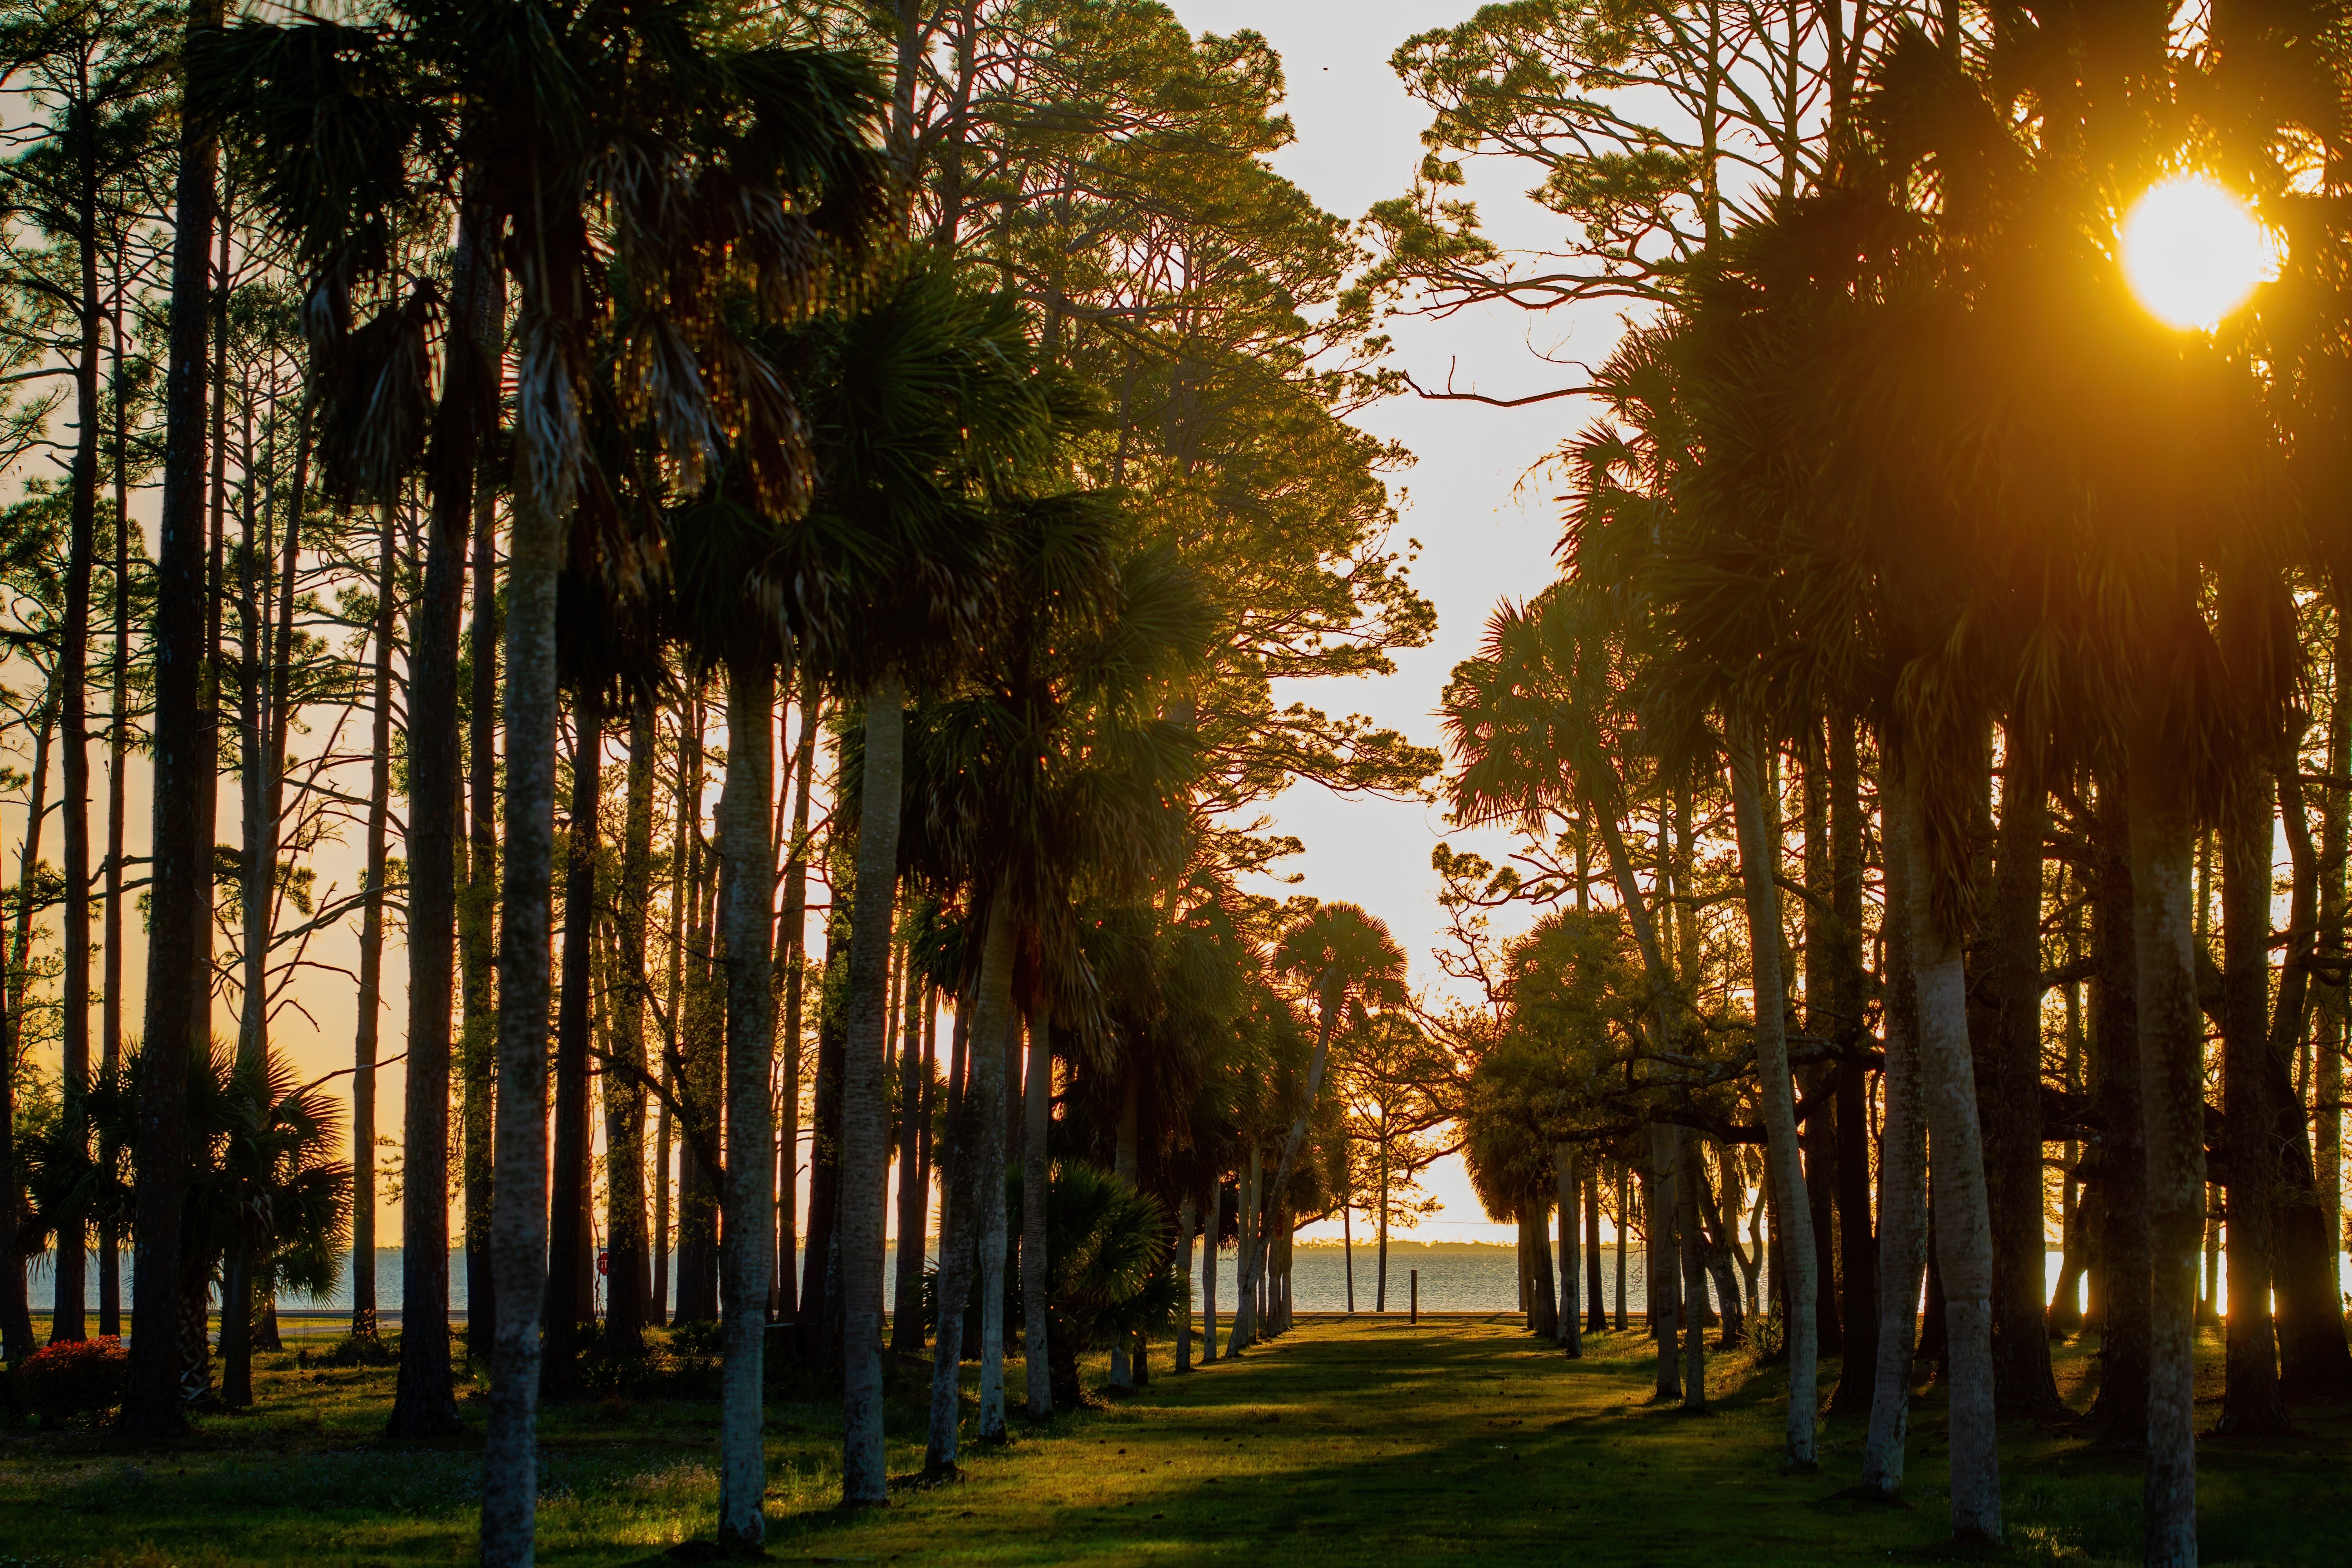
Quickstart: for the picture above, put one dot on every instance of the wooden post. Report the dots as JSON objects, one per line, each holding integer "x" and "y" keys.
{"x": 1416, "y": 1297}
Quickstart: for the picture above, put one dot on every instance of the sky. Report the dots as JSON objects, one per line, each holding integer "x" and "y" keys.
{"x": 1486, "y": 524}
{"x": 1473, "y": 498}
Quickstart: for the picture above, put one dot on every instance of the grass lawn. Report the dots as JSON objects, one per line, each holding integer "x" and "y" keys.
{"x": 1367, "y": 1443}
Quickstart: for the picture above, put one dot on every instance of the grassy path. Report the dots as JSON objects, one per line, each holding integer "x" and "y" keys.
{"x": 1369, "y": 1443}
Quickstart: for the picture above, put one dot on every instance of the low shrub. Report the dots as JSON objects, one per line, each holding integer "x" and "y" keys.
{"x": 72, "y": 1379}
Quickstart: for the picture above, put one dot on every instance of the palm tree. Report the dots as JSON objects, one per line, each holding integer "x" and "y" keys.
{"x": 1346, "y": 957}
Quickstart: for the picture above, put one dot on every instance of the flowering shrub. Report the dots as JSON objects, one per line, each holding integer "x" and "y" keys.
{"x": 64, "y": 1380}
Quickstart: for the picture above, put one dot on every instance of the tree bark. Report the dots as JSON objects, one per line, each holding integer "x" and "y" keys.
{"x": 2120, "y": 1283}
{"x": 1857, "y": 1246}
{"x": 1963, "y": 1228}
{"x": 370, "y": 1009}
{"x": 477, "y": 1046}
{"x": 792, "y": 945}
{"x": 991, "y": 1005}
{"x": 1036, "y": 1174}
{"x": 1759, "y": 841}
{"x": 1902, "y": 1191}
{"x": 568, "y": 1198}
{"x": 519, "y": 1204}
{"x": 624, "y": 1092}
{"x": 1597, "y": 1320}
{"x": 1564, "y": 1169}
{"x": 2023, "y": 1383}
{"x": 1693, "y": 1313}
{"x": 181, "y": 846}
{"x": 866, "y": 1096}
{"x": 749, "y": 1256}
{"x": 2171, "y": 1054}
{"x": 16, "y": 1316}
{"x": 2251, "y": 1401}
{"x": 1186, "y": 1219}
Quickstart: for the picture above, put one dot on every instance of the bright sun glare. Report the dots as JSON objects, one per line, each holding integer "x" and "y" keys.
{"x": 2193, "y": 252}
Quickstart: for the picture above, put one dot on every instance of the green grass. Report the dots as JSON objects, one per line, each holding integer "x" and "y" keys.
{"x": 1362, "y": 1442}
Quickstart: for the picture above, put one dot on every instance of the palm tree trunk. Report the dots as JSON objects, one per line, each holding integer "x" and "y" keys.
{"x": 1663, "y": 1270}
{"x": 2251, "y": 1401}
{"x": 518, "y": 1201}
{"x": 1693, "y": 1313}
{"x": 15, "y": 1315}
{"x": 1963, "y": 1226}
{"x": 624, "y": 1092}
{"x": 990, "y": 1005}
{"x": 1380, "y": 1229}
{"x": 478, "y": 933}
{"x": 1037, "y": 1106}
{"x": 750, "y": 1211}
{"x": 2171, "y": 1053}
{"x": 180, "y": 846}
{"x": 568, "y": 1190}
{"x": 1254, "y": 1262}
{"x": 1758, "y": 851}
{"x": 991, "y": 1234}
{"x": 2121, "y": 1282}
{"x": 866, "y": 1096}
{"x": 1901, "y": 1194}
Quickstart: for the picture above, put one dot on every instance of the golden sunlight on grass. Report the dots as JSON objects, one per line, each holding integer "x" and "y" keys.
{"x": 2193, "y": 252}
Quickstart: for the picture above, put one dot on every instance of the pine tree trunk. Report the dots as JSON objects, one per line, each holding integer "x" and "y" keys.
{"x": 2023, "y": 1383}
{"x": 1857, "y": 1245}
{"x": 2250, "y": 1402}
{"x": 1963, "y": 1228}
{"x": 110, "y": 1255}
{"x": 913, "y": 1180}
{"x": 1758, "y": 839}
{"x": 568, "y": 1196}
{"x": 519, "y": 1204}
{"x": 441, "y": 913}
{"x": 792, "y": 946}
{"x": 15, "y": 1315}
{"x": 750, "y": 1212}
{"x": 866, "y": 1096}
{"x": 2121, "y": 1281}
{"x": 1624, "y": 1197}
{"x": 624, "y": 1091}
{"x": 181, "y": 848}
{"x": 1902, "y": 1191}
{"x": 1037, "y": 1107}
{"x": 2171, "y": 1054}
{"x": 477, "y": 1048}
{"x": 370, "y": 1020}
{"x": 71, "y": 1273}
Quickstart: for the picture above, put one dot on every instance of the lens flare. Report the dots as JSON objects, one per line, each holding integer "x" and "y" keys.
{"x": 2193, "y": 252}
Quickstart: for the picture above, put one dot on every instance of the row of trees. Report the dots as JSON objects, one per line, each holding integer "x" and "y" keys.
{"x": 1941, "y": 649}
{"x": 562, "y": 414}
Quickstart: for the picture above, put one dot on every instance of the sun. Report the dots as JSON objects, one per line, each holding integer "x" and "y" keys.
{"x": 2193, "y": 252}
